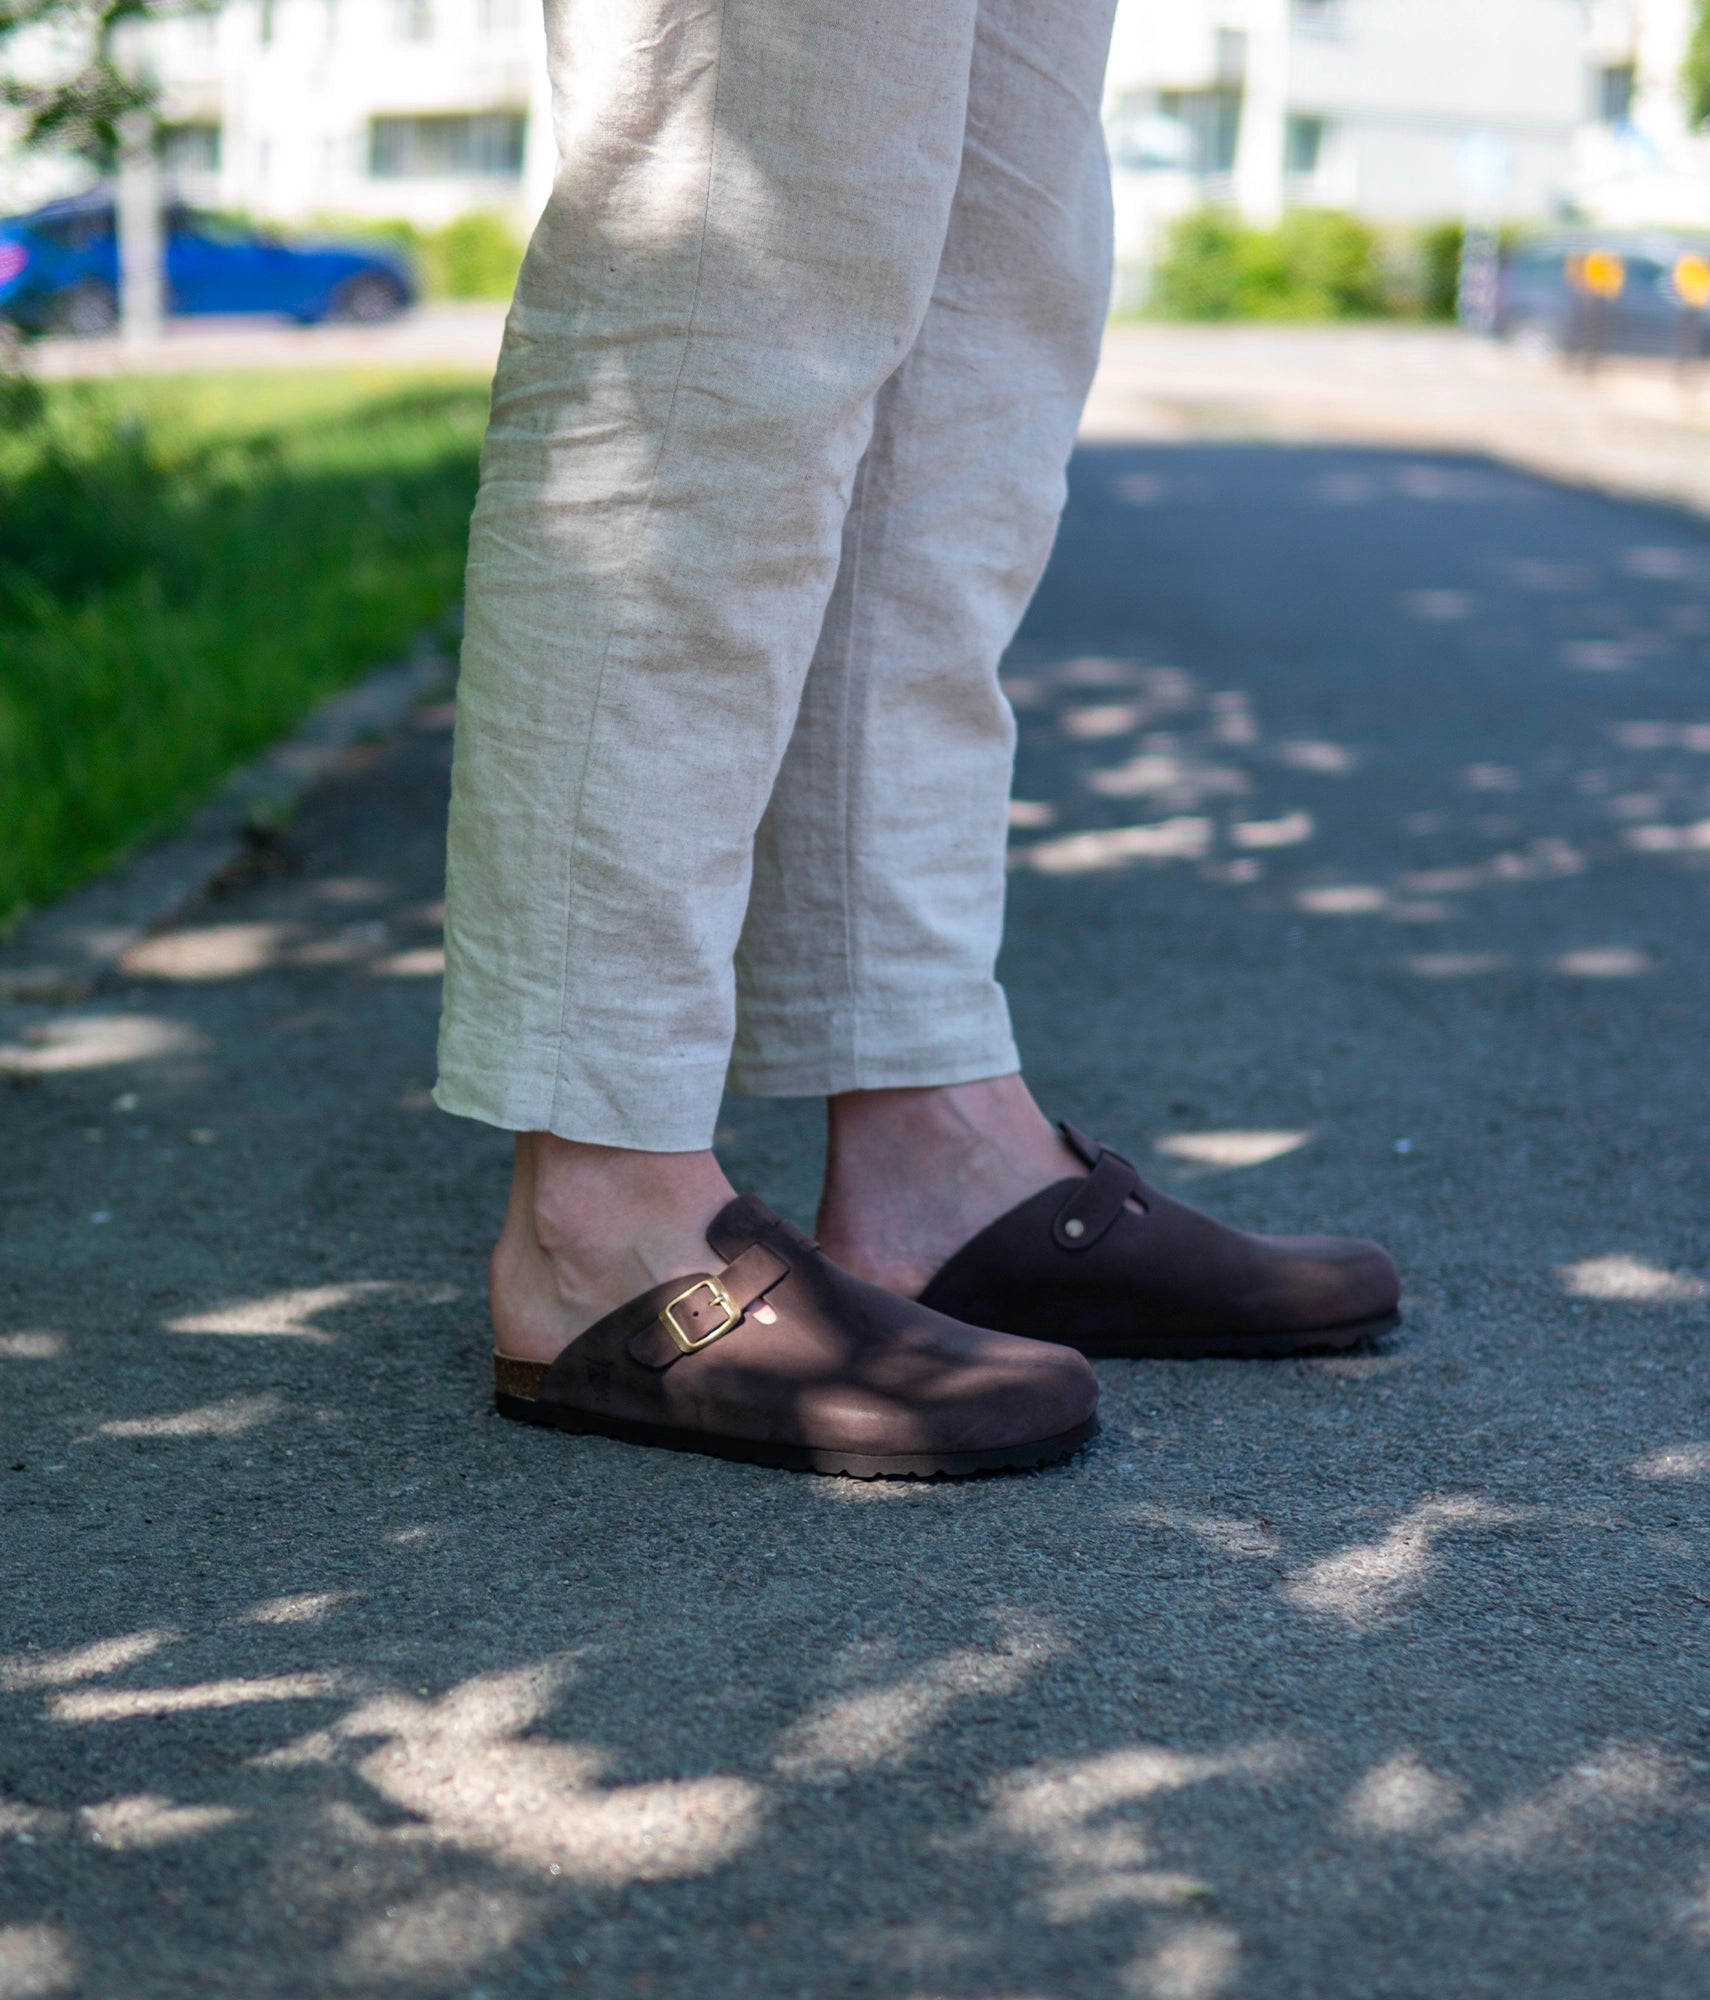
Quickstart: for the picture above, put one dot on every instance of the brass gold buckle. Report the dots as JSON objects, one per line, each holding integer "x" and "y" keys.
{"x": 687, "y": 1342}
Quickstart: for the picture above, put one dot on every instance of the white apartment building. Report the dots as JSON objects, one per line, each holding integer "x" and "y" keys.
{"x": 1402, "y": 110}
{"x": 1637, "y": 160}
{"x": 298, "y": 108}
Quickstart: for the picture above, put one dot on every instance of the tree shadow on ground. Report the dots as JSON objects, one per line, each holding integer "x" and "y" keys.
{"x": 1382, "y": 1674}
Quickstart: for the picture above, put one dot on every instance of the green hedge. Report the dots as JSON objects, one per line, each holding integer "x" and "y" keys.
{"x": 186, "y": 568}
{"x": 1316, "y": 264}
{"x": 475, "y": 256}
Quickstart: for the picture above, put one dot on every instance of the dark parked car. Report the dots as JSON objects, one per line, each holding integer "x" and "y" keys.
{"x": 1621, "y": 291}
{"x": 59, "y": 271}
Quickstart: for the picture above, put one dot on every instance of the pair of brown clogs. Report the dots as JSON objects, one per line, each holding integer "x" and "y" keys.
{"x": 783, "y": 1358}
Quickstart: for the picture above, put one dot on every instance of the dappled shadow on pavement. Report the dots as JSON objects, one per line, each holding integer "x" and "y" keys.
{"x": 1383, "y": 1674}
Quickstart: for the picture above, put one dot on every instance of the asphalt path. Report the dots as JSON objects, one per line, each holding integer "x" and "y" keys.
{"x": 1360, "y": 867}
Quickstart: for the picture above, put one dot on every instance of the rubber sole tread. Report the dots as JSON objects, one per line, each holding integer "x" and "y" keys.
{"x": 1027, "y": 1457}
{"x": 1235, "y": 1346}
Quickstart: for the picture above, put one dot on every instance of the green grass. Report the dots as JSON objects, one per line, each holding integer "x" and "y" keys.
{"x": 186, "y": 568}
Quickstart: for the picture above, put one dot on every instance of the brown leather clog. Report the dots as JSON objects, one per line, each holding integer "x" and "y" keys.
{"x": 1111, "y": 1265}
{"x": 785, "y": 1359}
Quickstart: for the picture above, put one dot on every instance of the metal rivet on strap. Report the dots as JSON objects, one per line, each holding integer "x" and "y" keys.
{"x": 1074, "y": 1226}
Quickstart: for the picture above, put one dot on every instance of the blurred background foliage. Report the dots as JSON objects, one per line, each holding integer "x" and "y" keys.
{"x": 1695, "y": 70}
{"x": 186, "y": 567}
{"x": 475, "y": 256}
{"x": 1316, "y": 264}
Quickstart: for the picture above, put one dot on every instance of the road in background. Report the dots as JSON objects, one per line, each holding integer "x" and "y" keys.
{"x": 1362, "y": 825}
{"x": 437, "y": 336}
{"x": 1632, "y": 427}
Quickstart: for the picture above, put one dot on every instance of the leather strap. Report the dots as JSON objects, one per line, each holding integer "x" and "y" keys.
{"x": 746, "y": 1279}
{"x": 1095, "y": 1203}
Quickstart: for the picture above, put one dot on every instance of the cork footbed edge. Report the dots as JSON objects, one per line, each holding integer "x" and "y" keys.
{"x": 517, "y": 1378}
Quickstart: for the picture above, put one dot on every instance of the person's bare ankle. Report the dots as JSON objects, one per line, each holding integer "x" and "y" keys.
{"x": 587, "y": 1228}
{"x": 910, "y": 1175}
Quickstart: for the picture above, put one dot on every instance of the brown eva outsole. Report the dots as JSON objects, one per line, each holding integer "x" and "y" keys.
{"x": 513, "y": 1377}
{"x": 1235, "y": 1346}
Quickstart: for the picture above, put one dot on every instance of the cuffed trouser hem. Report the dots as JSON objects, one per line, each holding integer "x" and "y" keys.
{"x": 960, "y": 1050}
{"x": 648, "y": 1108}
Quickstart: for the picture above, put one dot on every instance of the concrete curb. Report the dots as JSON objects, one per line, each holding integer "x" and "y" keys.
{"x": 61, "y": 954}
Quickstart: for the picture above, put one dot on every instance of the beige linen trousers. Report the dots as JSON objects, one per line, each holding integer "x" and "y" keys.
{"x": 776, "y": 456}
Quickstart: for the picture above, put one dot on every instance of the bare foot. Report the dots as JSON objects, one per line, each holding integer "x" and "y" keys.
{"x": 910, "y": 1175}
{"x": 588, "y": 1227}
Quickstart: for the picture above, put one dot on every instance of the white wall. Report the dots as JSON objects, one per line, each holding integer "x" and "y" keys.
{"x": 1398, "y": 84}
{"x": 293, "y": 86}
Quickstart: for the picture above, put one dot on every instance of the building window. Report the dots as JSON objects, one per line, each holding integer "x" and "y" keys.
{"x": 415, "y": 20}
{"x": 1213, "y": 122}
{"x": 1303, "y": 148}
{"x": 484, "y": 145}
{"x": 500, "y": 17}
{"x": 1230, "y": 56}
{"x": 1612, "y": 93}
{"x": 266, "y": 21}
{"x": 1142, "y": 140}
{"x": 190, "y": 149}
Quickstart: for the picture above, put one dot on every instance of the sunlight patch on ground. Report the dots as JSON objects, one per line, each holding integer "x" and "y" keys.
{"x": 1661, "y": 564}
{"x": 1632, "y": 1280}
{"x": 302, "y": 1609}
{"x": 35, "y": 1962}
{"x": 1693, "y": 736}
{"x": 1365, "y": 1585}
{"x": 1187, "y": 839}
{"x": 1619, "y": 1784}
{"x": 884, "y": 1725}
{"x": 1228, "y": 1535}
{"x": 1075, "y": 1816}
{"x": 1401, "y": 1795}
{"x": 1492, "y": 778}
{"x": 1327, "y": 760}
{"x": 345, "y": 890}
{"x": 425, "y": 962}
{"x": 96, "y": 1041}
{"x": 124, "y": 1704}
{"x": 1437, "y": 607}
{"x": 1093, "y": 724}
{"x": 1030, "y": 815}
{"x": 1357, "y": 1367}
{"x": 1601, "y": 656}
{"x": 1694, "y": 839}
{"x": 1233, "y": 722}
{"x": 145, "y": 1820}
{"x": 1196, "y": 1962}
{"x": 31, "y": 1346}
{"x": 1608, "y": 961}
{"x": 105, "y": 1656}
{"x": 1172, "y": 778}
{"x": 210, "y": 951}
{"x": 291, "y": 1313}
{"x": 1231, "y": 1149}
{"x": 225, "y": 1419}
{"x": 879, "y": 1492}
{"x": 1674, "y": 1461}
{"x": 451, "y": 1931}
{"x": 1342, "y": 899}
{"x": 1454, "y": 964}
{"x": 465, "y": 1769}
{"x": 1289, "y": 829}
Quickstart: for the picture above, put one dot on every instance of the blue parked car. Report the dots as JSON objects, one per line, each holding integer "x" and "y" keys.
{"x": 59, "y": 271}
